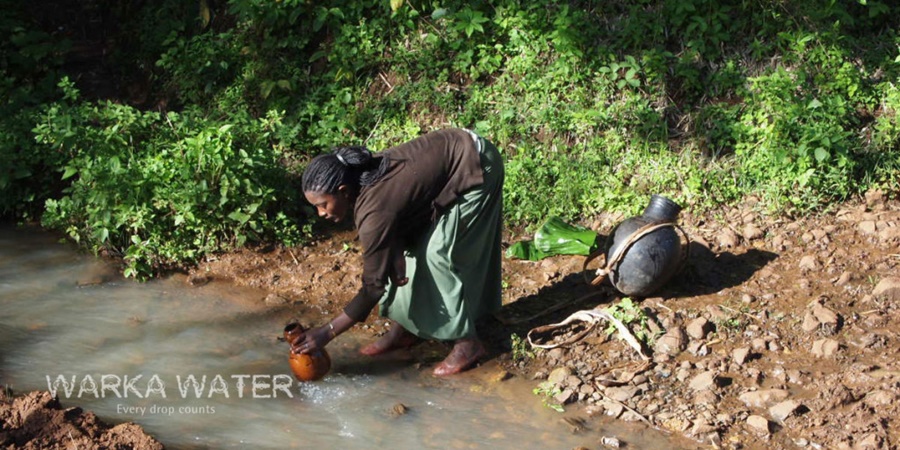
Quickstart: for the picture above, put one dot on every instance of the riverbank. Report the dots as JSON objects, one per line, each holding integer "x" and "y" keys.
{"x": 779, "y": 332}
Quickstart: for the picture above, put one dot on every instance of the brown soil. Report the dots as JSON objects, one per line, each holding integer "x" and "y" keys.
{"x": 778, "y": 333}
{"x": 37, "y": 421}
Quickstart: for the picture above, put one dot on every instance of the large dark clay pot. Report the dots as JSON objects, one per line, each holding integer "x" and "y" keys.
{"x": 307, "y": 366}
{"x": 650, "y": 261}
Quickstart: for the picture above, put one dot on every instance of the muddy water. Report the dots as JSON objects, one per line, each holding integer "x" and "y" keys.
{"x": 203, "y": 368}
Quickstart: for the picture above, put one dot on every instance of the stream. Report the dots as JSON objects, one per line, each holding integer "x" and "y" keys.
{"x": 204, "y": 368}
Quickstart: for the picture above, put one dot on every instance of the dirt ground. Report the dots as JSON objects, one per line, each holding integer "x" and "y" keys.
{"x": 777, "y": 333}
{"x": 37, "y": 421}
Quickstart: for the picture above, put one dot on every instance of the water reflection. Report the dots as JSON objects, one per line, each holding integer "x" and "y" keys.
{"x": 203, "y": 368}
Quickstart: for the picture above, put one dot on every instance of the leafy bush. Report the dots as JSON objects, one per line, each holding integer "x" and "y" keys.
{"x": 164, "y": 190}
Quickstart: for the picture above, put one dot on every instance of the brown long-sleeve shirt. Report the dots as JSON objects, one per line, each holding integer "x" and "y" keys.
{"x": 426, "y": 175}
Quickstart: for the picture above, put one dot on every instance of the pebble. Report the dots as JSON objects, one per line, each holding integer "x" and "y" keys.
{"x": 728, "y": 238}
{"x": 752, "y": 232}
{"x": 783, "y": 410}
{"x": 825, "y": 348}
{"x": 808, "y": 262}
{"x": 704, "y": 381}
{"x": 763, "y": 397}
{"x": 758, "y": 423}
{"x": 671, "y": 343}
{"x": 739, "y": 355}
{"x": 888, "y": 289}
{"x": 698, "y": 328}
{"x": 275, "y": 300}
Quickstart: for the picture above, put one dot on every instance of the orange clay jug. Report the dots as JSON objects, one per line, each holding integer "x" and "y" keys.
{"x": 307, "y": 366}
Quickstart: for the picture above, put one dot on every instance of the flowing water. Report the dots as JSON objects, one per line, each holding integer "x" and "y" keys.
{"x": 203, "y": 368}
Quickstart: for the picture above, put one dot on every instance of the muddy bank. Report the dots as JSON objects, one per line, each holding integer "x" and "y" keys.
{"x": 779, "y": 332}
{"x": 38, "y": 421}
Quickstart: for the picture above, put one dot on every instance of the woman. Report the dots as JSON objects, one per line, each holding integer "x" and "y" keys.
{"x": 428, "y": 214}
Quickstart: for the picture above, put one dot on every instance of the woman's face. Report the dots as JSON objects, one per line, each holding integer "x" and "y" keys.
{"x": 334, "y": 207}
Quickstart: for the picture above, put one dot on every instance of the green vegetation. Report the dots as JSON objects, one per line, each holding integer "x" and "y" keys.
{"x": 212, "y": 107}
{"x": 547, "y": 390}
{"x": 521, "y": 349}
{"x": 632, "y": 317}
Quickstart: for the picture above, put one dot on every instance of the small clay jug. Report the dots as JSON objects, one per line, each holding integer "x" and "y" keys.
{"x": 307, "y": 366}
{"x": 644, "y": 252}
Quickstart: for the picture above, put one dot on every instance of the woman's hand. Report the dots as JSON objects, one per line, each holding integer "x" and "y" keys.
{"x": 318, "y": 338}
{"x": 313, "y": 339}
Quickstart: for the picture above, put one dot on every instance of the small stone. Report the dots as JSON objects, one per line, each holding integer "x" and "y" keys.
{"x": 559, "y": 375}
{"x": 825, "y": 348}
{"x": 752, "y": 232}
{"x": 763, "y": 397}
{"x": 808, "y": 262}
{"x": 810, "y": 323}
{"x": 698, "y": 328}
{"x": 888, "y": 289}
{"x": 728, "y": 238}
{"x": 759, "y": 344}
{"x": 888, "y": 234}
{"x": 275, "y": 300}
{"x": 825, "y": 316}
{"x": 671, "y": 343}
{"x": 704, "y": 381}
{"x": 622, "y": 394}
{"x": 867, "y": 227}
{"x": 844, "y": 278}
{"x": 758, "y": 423}
{"x": 783, "y": 410}
{"x": 610, "y": 442}
{"x": 880, "y": 398}
{"x": 747, "y": 299}
{"x": 739, "y": 355}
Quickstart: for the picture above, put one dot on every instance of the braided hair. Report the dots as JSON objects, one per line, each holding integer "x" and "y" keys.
{"x": 355, "y": 166}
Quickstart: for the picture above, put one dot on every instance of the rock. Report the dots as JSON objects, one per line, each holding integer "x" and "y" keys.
{"x": 728, "y": 238}
{"x": 610, "y": 442}
{"x": 867, "y": 227}
{"x": 880, "y": 398}
{"x": 844, "y": 278}
{"x": 888, "y": 289}
{"x": 275, "y": 300}
{"x": 871, "y": 442}
{"x": 698, "y": 328}
{"x": 825, "y": 316}
{"x": 825, "y": 348}
{"x": 198, "y": 280}
{"x": 888, "y": 234}
{"x": 752, "y": 232}
{"x": 808, "y": 262}
{"x": 558, "y": 375}
{"x": 671, "y": 343}
{"x": 810, "y": 323}
{"x": 622, "y": 394}
{"x": 783, "y": 410}
{"x": 704, "y": 381}
{"x": 758, "y": 423}
{"x": 763, "y": 397}
{"x": 739, "y": 355}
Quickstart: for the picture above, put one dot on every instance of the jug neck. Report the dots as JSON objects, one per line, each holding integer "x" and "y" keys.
{"x": 661, "y": 209}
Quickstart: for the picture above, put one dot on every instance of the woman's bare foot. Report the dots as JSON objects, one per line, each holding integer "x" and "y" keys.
{"x": 396, "y": 338}
{"x": 465, "y": 353}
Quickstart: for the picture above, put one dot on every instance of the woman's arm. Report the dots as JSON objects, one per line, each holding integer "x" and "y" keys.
{"x": 319, "y": 337}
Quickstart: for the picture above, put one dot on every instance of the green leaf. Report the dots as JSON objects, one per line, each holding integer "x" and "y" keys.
{"x": 440, "y": 13}
{"x": 69, "y": 172}
{"x": 239, "y": 216}
{"x": 815, "y": 103}
{"x": 821, "y": 154}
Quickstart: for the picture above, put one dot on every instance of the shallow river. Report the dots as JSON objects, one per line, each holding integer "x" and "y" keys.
{"x": 203, "y": 368}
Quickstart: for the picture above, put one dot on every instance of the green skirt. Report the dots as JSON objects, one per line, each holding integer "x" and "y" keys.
{"x": 454, "y": 270}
